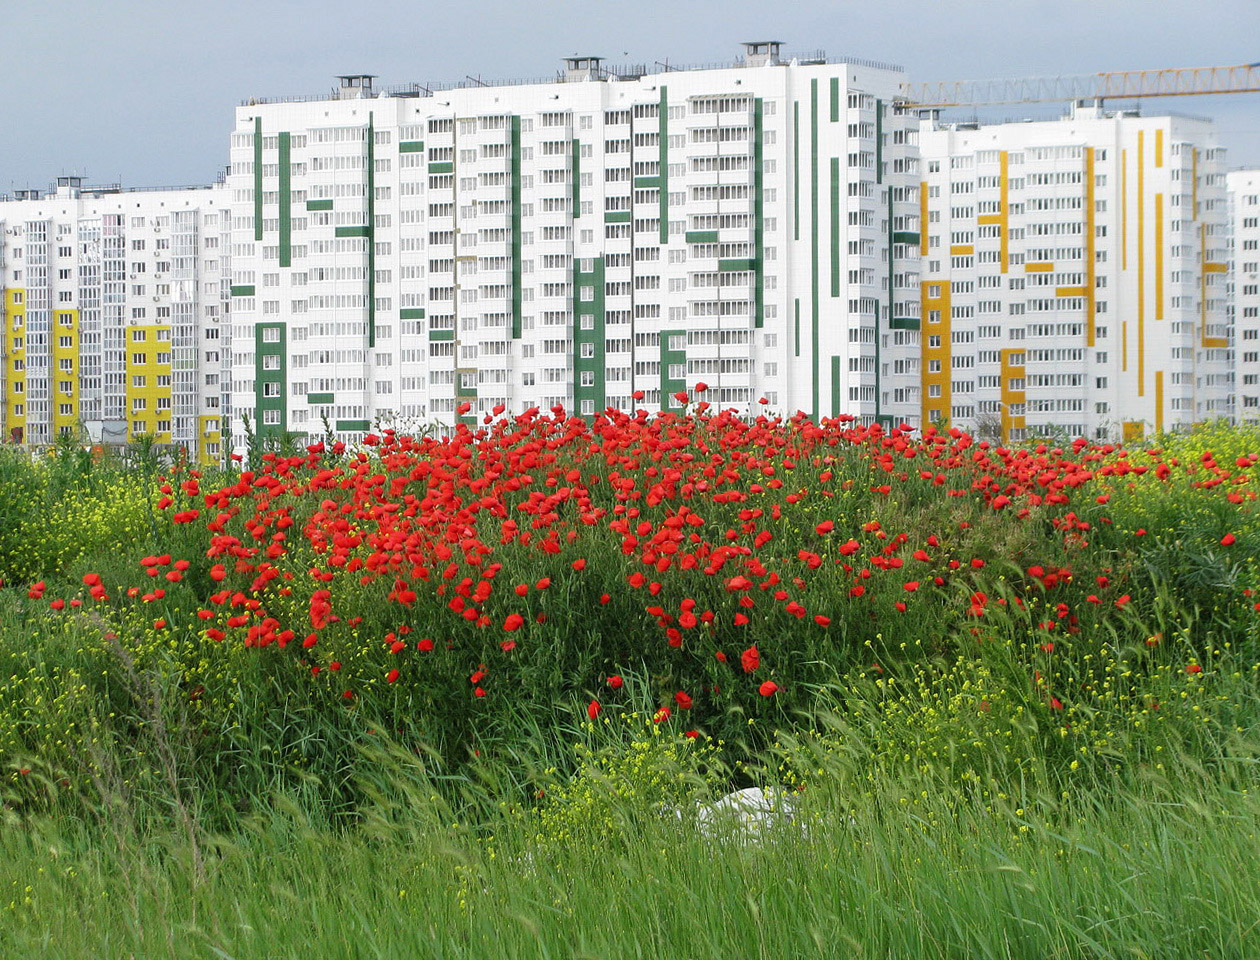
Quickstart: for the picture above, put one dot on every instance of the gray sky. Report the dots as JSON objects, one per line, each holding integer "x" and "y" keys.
{"x": 142, "y": 91}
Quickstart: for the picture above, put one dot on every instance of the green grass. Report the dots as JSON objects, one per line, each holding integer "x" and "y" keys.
{"x": 1015, "y": 761}
{"x": 1160, "y": 867}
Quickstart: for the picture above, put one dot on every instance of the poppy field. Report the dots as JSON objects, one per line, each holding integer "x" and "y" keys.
{"x": 524, "y": 639}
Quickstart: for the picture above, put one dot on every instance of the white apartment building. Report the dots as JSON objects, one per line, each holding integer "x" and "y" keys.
{"x": 1244, "y": 300}
{"x": 779, "y": 229}
{"x": 113, "y": 301}
{"x": 1075, "y": 276}
{"x": 575, "y": 241}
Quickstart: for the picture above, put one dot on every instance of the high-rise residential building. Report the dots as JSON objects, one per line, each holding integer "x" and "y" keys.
{"x": 579, "y": 240}
{"x": 1075, "y": 275}
{"x": 113, "y": 301}
{"x": 1244, "y": 207}
{"x": 782, "y": 230}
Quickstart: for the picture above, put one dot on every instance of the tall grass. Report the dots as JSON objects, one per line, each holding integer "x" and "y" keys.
{"x": 1167, "y": 864}
{"x": 1008, "y": 766}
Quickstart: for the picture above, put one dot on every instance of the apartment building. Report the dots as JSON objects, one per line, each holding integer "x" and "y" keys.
{"x": 580, "y": 240}
{"x": 780, "y": 229}
{"x": 1075, "y": 276}
{"x": 113, "y": 301}
{"x": 1244, "y": 298}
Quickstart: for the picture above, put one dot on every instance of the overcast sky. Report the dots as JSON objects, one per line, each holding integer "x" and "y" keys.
{"x": 142, "y": 92}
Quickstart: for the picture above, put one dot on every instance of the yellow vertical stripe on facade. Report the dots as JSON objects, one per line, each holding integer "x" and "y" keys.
{"x": 1159, "y": 401}
{"x": 1159, "y": 147}
{"x": 1005, "y": 211}
{"x": 64, "y": 375}
{"x": 206, "y": 437}
{"x": 1124, "y": 345}
{"x": 149, "y": 394}
{"x": 1089, "y": 246}
{"x": 935, "y": 408}
{"x": 1141, "y": 265}
{"x": 1012, "y": 369}
{"x": 15, "y": 366}
{"x": 923, "y": 218}
{"x": 1159, "y": 256}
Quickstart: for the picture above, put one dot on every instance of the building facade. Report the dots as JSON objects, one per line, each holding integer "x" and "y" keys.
{"x": 113, "y": 301}
{"x": 575, "y": 242}
{"x": 782, "y": 230}
{"x": 1075, "y": 278}
{"x": 1244, "y": 278}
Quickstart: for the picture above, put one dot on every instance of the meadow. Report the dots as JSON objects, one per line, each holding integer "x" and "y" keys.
{"x": 467, "y": 695}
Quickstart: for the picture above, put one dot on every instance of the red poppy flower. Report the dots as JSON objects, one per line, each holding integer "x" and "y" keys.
{"x": 683, "y": 700}
{"x": 768, "y": 689}
{"x": 593, "y": 708}
{"x": 615, "y": 682}
{"x": 1227, "y": 540}
{"x": 750, "y": 659}
{"x": 1194, "y": 668}
{"x": 391, "y": 677}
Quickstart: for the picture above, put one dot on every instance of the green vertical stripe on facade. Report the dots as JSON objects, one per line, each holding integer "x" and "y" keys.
{"x": 286, "y": 203}
{"x": 516, "y": 228}
{"x": 878, "y": 179}
{"x": 835, "y": 99}
{"x": 593, "y": 311}
{"x": 371, "y": 225}
{"x": 835, "y": 226}
{"x": 813, "y": 221}
{"x": 759, "y": 218}
{"x": 796, "y": 339}
{"x": 263, "y": 349}
{"x": 671, "y": 385}
{"x": 796, "y": 169}
{"x": 663, "y": 129}
{"x": 835, "y": 386}
{"x": 576, "y": 173}
{"x": 258, "y": 179}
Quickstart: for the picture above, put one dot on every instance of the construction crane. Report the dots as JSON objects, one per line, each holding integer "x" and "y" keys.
{"x": 1129, "y": 84}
